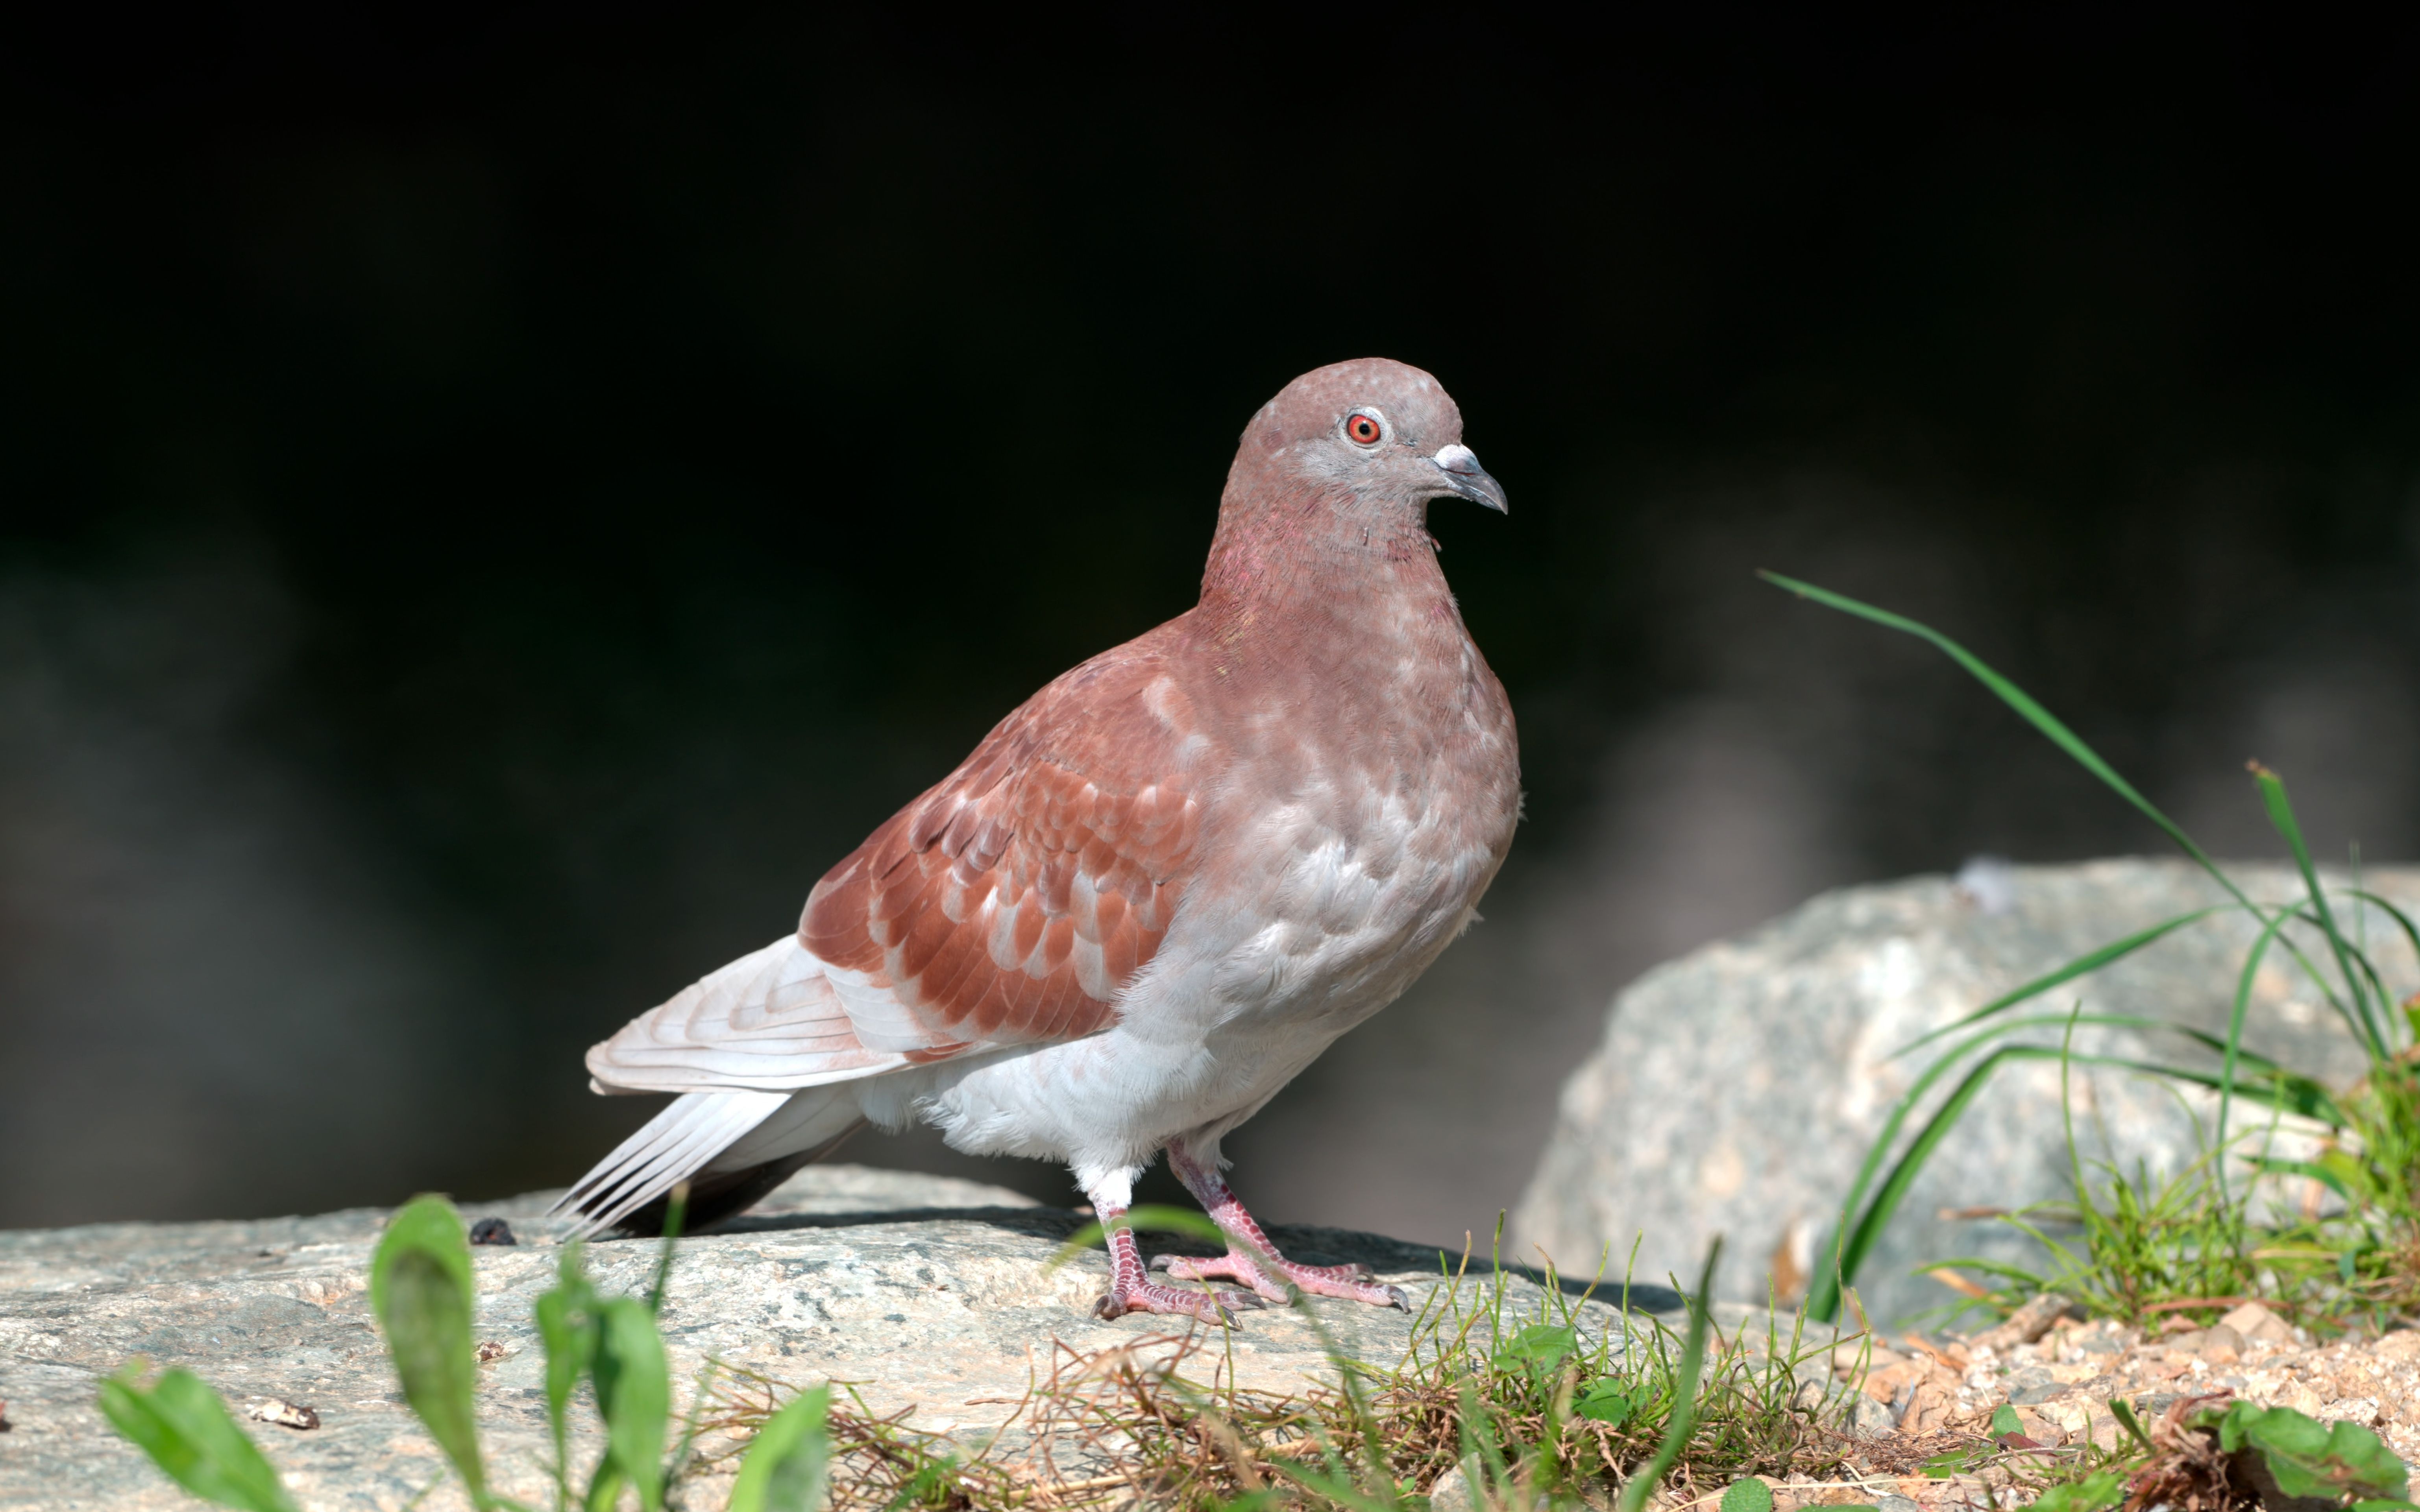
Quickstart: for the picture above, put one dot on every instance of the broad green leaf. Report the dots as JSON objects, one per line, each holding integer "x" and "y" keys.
{"x": 1747, "y": 1494}
{"x": 420, "y": 1287}
{"x": 566, "y": 1324}
{"x": 635, "y": 1394}
{"x": 1537, "y": 1349}
{"x": 788, "y": 1465}
{"x": 1608, "y": 1402}
{"x": 2104, "y": 1488}
{"x": 2004, "y": 1421}
{"x": 2309, "y": 1458}
{"x": 186, "y": 1430}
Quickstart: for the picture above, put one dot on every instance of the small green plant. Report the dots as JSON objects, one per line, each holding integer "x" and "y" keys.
{"x": 2305, "y": 1458}
{"x": 182, "y": 1423}
{"x": 422, "y": 1292}
{"x": 2194, "y": 1243}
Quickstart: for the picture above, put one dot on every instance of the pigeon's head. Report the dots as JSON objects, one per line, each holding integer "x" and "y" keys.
{"x": 1382, "y": 430}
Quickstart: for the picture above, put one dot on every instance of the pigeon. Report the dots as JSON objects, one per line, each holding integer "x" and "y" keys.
{"x": 1155, "y": 892}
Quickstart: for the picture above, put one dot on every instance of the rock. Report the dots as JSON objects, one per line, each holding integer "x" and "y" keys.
{"x": 1450, "y": 1491}
{"x": 2031, "y": 1321}
{"x": 2254, "y": 1321}
{"x": 935, "y": 1295}
{"x": 1737, "y": 1088}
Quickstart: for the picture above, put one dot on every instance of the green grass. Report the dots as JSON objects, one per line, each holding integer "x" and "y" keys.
{"x": 2136, "y": 1247}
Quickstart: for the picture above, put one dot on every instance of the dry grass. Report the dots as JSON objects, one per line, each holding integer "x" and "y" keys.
{"x": 1158, "y": 1421}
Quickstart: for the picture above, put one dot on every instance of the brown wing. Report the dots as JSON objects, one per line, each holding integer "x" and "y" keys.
{"x": 1013, "y": 901}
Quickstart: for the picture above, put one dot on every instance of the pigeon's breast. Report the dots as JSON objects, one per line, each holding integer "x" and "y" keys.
{"x": 1344, "y": 859}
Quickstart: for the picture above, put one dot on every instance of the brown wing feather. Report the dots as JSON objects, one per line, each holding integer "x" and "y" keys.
{"x": 1011, "y": 900}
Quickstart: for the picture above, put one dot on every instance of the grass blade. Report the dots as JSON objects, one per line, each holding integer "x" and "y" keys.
{"x": 2081, "y": 965}
{"x": 186, "y": 1430}
{"x": 420, "y": 1288}
{"x": 1147, "y": 1218}
{"x": 1824, "y": 1302}
{"x": 1683, "y": 1420}
{"x": 2402, "y": 920}
{"x": 2281, "y": 815}
{"x": 2017, "y": 699}
{"x": 675, "y": 1212}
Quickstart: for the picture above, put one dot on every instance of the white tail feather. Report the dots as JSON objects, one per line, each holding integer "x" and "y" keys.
{"x": 809, "y": 1120}
{"x": 672, "y": 1147}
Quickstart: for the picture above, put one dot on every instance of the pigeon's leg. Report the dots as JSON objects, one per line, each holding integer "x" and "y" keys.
{"x": 1132, "y": 1287}
{"x": 1250, "y": 1258}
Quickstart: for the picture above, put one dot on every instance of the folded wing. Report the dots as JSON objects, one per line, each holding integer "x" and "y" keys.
{"x": 1010, "y": 904}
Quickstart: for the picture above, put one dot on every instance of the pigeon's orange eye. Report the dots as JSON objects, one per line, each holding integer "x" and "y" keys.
{"x": 1363, "y": 429}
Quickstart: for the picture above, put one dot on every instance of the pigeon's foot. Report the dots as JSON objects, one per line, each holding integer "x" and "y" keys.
{"x": 1133, "y": 1291}
{"x": 1263, "y": 1274}
{"x": 1250, "y": 1258}
{"x": 1150, "y": 1297}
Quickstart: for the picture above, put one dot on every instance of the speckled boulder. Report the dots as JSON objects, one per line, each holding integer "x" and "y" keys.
{"x": 1737, "y": 1088}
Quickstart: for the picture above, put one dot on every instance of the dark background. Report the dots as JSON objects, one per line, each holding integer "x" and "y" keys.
{"x": 490, "y": 510}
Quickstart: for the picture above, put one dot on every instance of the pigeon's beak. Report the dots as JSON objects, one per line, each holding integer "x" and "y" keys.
{"x": 1465, "y": 476}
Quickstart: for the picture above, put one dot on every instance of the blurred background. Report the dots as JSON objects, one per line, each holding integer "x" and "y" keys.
{"x": 491, "y": 509}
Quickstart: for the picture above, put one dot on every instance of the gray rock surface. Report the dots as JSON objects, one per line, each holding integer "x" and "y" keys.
{"x": 1737, "y": 1088}
{"x": 934, "y": 1294}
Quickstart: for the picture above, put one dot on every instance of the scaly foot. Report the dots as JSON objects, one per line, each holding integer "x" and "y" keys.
{"x": 1150, "y": 1297}
{"x": 1132, "y": 1291}
{"x": 1351, "y": 1282}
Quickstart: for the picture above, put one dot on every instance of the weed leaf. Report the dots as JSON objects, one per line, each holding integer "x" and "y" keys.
{"x": 184, "y": 1427}
{"x": 787, "y": 1464}
{"x": 2102, "y": 1488}
{"x": 1607, "y": 1402}
{"x": 635, "y": 1394}
{"x": 1537, "y": 1349}
{"x": 2309, "y": 1458}
{"x": 1747, "y": 1494}
{"x": 566, "y": 1324}
{"x": 420, "y": 1287}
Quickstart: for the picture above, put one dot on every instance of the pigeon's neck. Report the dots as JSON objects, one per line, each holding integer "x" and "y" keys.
{"x": 1327, "y": 569}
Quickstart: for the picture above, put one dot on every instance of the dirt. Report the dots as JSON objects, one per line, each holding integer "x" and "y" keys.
{"x": 1936, "y": 1396}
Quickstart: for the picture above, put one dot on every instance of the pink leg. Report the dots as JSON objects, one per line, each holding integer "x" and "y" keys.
{"x": 1132, "y": 1291}
{"x": 1250, "y": 1258}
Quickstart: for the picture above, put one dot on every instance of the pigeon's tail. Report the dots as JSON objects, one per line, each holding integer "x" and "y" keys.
{"x": 732, "y": 1147}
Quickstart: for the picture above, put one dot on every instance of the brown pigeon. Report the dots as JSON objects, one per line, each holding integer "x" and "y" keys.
{"x": 1155, "y": 891}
